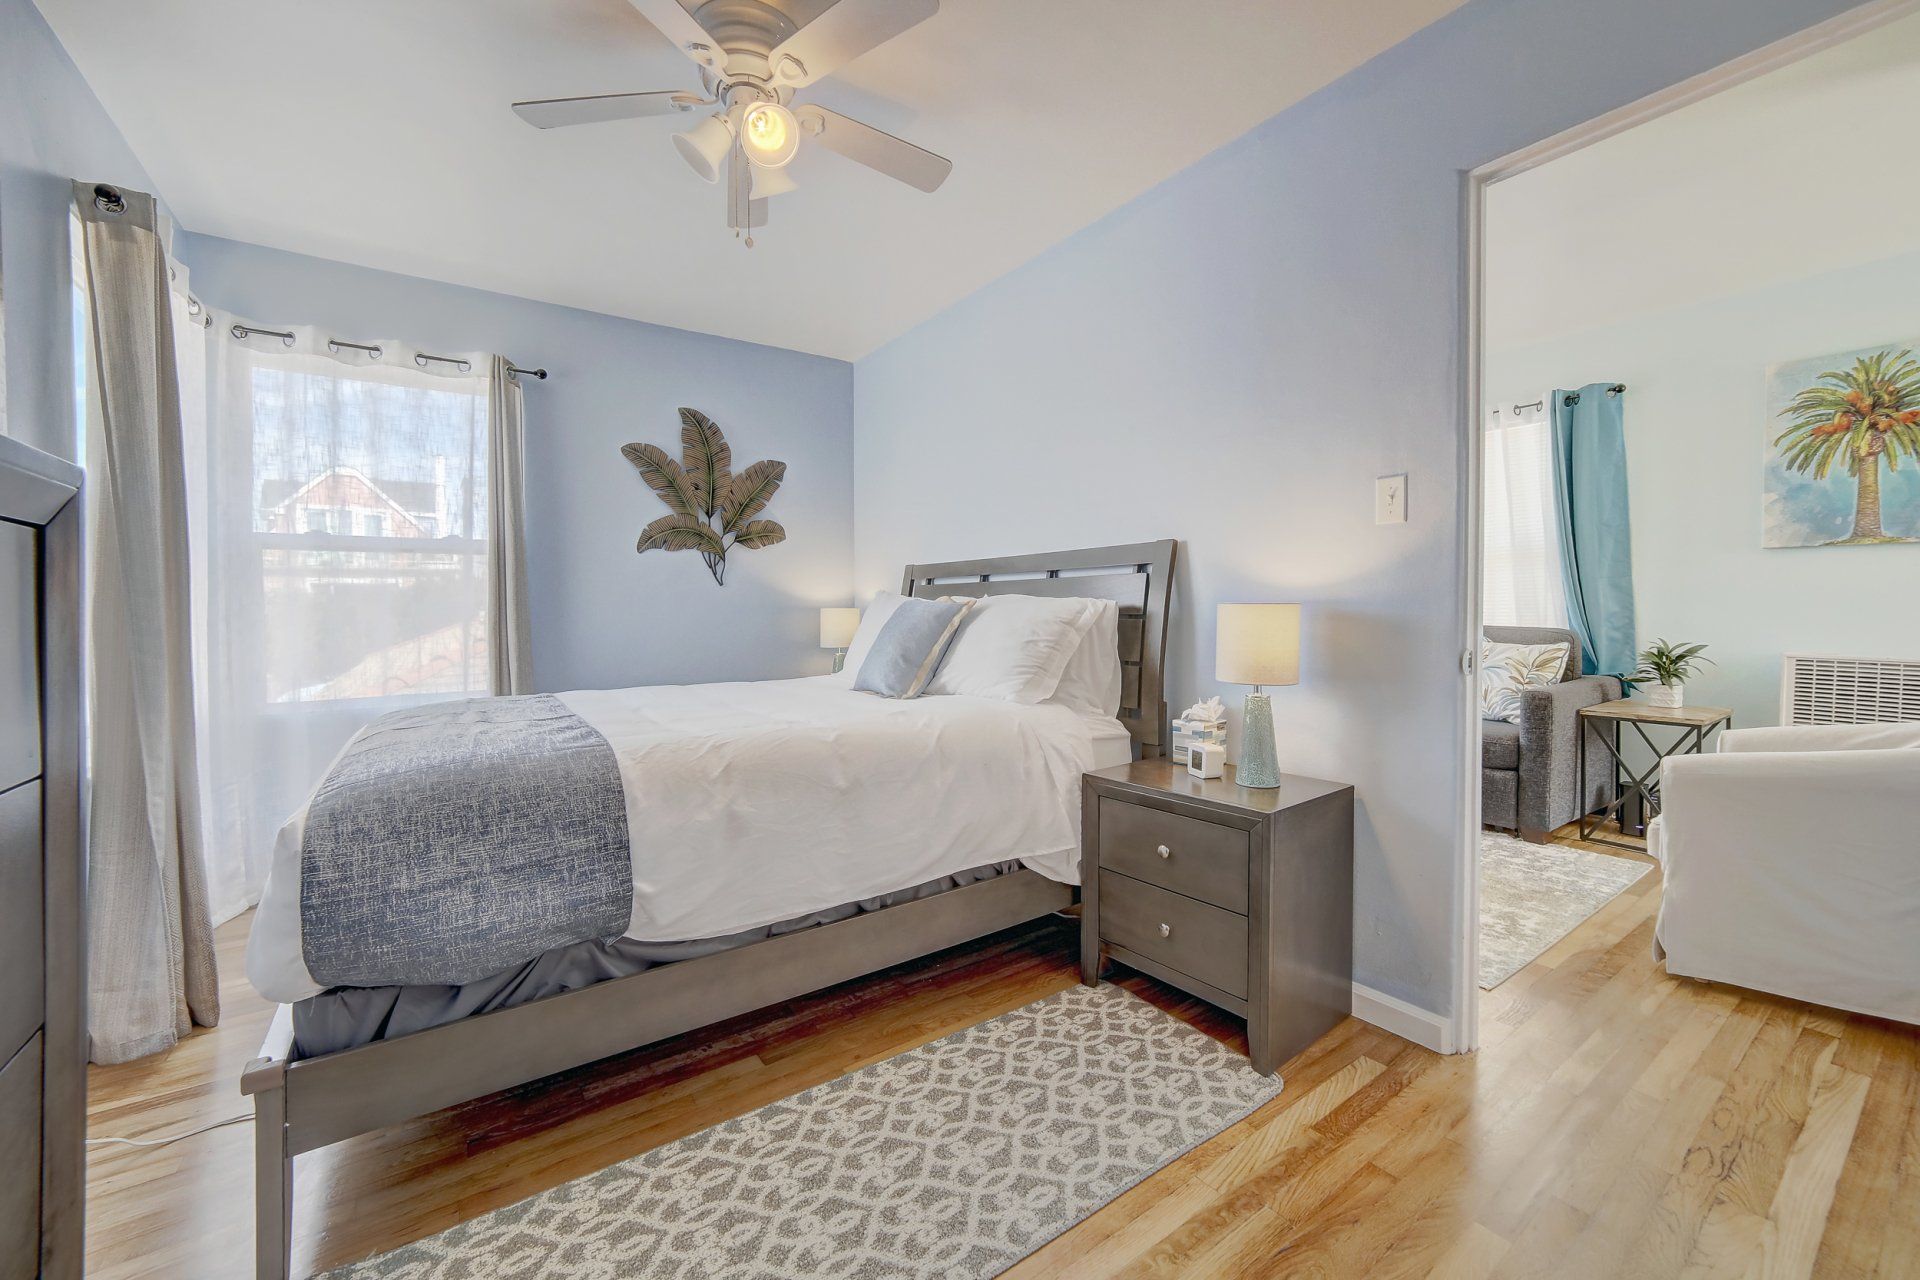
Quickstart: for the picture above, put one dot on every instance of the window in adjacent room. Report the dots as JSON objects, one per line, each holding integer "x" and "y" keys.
{"x": 1521, "y": 584}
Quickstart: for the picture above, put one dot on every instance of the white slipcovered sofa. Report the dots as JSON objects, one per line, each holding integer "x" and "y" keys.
{"x": 1792, "y": 863}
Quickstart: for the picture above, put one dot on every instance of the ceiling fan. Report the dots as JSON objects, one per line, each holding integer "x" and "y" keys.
{"x": 752, "y": 56}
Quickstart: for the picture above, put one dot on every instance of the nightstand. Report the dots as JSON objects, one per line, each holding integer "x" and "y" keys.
{"x": 1241, "y": 896}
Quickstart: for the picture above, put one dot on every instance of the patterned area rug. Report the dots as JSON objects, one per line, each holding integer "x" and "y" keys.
{"x": 956, "y": 1159}
{"x": 1533, "y": 895}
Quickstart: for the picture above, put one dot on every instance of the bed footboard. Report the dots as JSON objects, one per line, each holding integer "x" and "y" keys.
{"x": 303, "y": 1105}
{"x": 265, "y": 1081}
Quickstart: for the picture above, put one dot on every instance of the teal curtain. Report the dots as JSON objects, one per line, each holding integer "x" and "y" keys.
{"x": 1596, "y": 547}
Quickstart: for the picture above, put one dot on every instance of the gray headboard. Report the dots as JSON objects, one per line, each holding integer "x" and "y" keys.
{"x": 1137, "y": 576}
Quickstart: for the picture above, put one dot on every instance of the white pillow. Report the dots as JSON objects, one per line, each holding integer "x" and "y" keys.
{"x": 871, "y": 621}
{"x": 1091, "y": 681}
{"x": 1014, "y": 648}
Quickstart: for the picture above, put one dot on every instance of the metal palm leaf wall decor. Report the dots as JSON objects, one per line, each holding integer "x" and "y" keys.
{"x": 712, "y": 509}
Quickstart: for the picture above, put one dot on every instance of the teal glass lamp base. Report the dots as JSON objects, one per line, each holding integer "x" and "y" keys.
{"x": 1258, "y": 766}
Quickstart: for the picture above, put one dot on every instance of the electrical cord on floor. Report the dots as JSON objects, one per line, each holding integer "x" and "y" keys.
{"x": 161, "y": 1142}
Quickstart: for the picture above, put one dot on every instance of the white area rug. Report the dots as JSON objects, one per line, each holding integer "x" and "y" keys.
{"x": 956, "y": 1159}
{"x": 1533, "y": 895}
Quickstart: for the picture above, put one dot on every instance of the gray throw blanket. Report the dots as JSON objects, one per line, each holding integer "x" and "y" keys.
{"x": 455, "y": 840}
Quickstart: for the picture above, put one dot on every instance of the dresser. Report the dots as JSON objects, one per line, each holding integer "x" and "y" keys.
{"x": 1241, "y": 896}
{"x": 42, "y": 1026}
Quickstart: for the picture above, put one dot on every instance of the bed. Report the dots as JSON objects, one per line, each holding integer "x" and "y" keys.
{"x": 818, "y": 834}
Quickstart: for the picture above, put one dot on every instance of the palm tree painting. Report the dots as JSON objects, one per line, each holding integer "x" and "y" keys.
{"x": 1835, "y": 473}
{"x": 711, "y": 508}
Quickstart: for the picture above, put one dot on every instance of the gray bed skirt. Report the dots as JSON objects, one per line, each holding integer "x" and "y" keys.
{"x": 346, "y": 1017}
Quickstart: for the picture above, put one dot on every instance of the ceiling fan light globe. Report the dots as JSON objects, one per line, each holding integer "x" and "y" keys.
{"x": 704, "y": 147}
{"x": 769, "y": 134}
{"x": 771, "y": 182}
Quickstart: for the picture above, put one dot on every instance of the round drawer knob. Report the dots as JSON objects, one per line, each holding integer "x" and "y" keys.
{"x": 1164, "y": 852}
{"x": 1166, "y": 930}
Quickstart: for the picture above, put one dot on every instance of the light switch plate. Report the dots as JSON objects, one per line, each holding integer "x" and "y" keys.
{"x": 1390, "y": 500}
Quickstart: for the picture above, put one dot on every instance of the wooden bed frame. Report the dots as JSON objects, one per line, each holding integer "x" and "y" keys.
{"x": 310, "y": 1103}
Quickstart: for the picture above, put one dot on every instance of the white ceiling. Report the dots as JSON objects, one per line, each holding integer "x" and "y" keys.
{"x": 1804, "y": 170}
{"x": 378, "y": 133}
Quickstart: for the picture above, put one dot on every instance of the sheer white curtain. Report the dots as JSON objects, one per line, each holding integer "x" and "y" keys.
{"x": 1520, "y": 582}
{"x": 340, "y": 524}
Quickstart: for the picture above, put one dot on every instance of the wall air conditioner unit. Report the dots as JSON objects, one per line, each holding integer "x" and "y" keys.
{"x": 1816, "y": 689}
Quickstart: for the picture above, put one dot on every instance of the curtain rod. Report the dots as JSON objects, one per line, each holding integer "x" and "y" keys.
{"x": 242, "y": 331}
{"x": 1617, "y": 389}
{"x": 1573, "y": 397}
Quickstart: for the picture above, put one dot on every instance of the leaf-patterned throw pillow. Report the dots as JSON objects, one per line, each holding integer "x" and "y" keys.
{"x": 1506, "y": 669}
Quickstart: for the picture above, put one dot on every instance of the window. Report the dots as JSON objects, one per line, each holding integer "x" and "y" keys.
{"x": 337, "y": 510}
{"x": 1520, "y": 583}
{"x": 369, "y": 516}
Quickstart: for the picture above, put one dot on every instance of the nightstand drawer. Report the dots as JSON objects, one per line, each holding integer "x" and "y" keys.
{"x": 1197, "y": 939}
{"x": 1199, "y": 859}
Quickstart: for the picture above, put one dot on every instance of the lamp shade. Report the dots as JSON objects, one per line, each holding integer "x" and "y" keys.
{"x": 837, "y": 627}
{"x": 705, "y": 146}
{"x": 1257, "y": 644}
{"x": 771, "y": 182}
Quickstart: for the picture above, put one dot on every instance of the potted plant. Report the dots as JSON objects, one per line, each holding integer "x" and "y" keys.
{"x": 1666, "y": 667}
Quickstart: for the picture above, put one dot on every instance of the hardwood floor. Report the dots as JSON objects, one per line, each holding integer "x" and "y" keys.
{"x": 1616, "y": 1122}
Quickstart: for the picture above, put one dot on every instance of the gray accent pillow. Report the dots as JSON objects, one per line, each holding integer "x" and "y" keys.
{"x": 908, "y": 649}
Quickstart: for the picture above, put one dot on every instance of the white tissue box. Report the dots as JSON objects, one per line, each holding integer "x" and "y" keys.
{"x": 1188, "y": 733}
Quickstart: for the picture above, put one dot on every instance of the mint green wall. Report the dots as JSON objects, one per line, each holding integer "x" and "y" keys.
{"x": 1697, "y": 424}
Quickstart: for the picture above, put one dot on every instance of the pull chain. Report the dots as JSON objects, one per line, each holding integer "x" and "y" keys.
{"x": 746, "y": 180}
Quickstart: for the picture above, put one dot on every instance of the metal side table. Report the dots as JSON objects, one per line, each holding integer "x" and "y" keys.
{"x": 1602, "y": 723}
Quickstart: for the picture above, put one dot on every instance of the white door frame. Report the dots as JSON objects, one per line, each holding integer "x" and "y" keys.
{"x": 1463, "y": 1032}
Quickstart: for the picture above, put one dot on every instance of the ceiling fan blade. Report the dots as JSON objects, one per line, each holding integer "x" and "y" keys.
{"x": 677, "y": 25}
{"x": 881, "y": 152}
{"x": 841, "y": 34}
{"x": 556, "y": 113}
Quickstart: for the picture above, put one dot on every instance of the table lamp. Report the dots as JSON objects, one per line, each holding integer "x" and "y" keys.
{"x": 1257, "y": 644}
{"x": 836, "y": 632}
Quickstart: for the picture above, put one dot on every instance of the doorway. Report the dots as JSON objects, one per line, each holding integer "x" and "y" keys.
{"x": 1598, "y": 271}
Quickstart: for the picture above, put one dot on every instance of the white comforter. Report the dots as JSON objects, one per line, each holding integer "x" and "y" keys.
{"x": 752, "y": 803}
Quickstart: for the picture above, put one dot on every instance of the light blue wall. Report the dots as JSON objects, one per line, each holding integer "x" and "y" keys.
{"x": 603, "y": 616}
{"x": 1234, "y": 356}
{"x": 1231, "y": 358}
{"x": 52, "y": 129}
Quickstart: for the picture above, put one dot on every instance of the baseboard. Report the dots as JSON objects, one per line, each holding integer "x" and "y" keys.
{"x": 1409, "y": 1022}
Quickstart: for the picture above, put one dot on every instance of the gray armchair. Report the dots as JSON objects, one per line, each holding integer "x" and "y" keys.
{"x": 1529, "y": 772}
